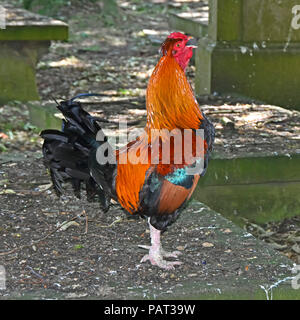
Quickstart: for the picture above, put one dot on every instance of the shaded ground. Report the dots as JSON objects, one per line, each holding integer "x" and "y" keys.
{"x": 283, "y": 236}
{"x": 118, "y": 62}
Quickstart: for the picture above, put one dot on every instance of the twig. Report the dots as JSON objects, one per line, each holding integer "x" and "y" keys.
{"x": 120, "y": 101}
{"x": 86, "y": 221}
{"x": 34, "y": 273}
{"x": 130, "y": 122}
{"x": 23, "y": 208}
{"x": 110, "y": 225}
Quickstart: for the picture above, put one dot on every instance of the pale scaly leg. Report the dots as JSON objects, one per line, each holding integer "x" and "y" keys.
{"x": 156, "y": 252}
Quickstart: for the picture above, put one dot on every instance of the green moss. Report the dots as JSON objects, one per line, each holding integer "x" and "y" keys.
{"x": 270, "y": 75}
{"x": 266, "y": 74}
{"x": 238, "y": 20}
{"x": 273, "y": 18}
{"x": 17, "y": 79}
{"x": 282, "y": 293}
{"x": 257, "y": 202}
{"x": 17, "y": 69}
{"x": 58, "y": 32}
{"x": 225, "y": 20}
{"x": 252, "y": 170}
{"x": 258, "y": 188}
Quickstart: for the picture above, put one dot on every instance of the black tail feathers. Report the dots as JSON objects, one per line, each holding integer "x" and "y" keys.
{"x": 67, "y": 153}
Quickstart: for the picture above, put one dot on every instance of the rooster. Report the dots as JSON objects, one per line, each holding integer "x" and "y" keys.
{"x": 153, "y": 189}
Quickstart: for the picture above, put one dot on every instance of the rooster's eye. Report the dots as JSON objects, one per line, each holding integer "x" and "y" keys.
{"x": 177, "y": 45}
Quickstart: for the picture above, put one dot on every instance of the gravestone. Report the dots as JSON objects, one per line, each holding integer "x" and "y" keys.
{"x": 252, "y": 49}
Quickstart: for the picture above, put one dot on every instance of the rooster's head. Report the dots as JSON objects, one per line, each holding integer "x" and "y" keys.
{"x": 180, "y": 47}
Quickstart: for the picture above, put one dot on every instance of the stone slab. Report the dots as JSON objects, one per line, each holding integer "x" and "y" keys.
{"x": 259, "y": 203}
{"x": 25, "y": 38}
{"x": 24, "y": 25}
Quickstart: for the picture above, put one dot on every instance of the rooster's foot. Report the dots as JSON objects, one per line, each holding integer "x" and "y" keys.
{"x": 163, "y": 252}
{"x": 157, "y": 260}
{"x": 157, "y": 253}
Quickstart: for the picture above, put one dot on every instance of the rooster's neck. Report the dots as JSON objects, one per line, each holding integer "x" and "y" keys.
{"x": 170, "y": 99}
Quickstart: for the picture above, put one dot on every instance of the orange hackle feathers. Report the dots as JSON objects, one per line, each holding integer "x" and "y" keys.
{"x": 170, "y": 100}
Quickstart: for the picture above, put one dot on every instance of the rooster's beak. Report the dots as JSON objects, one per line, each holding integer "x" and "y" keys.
{"x": 192, "y": 43}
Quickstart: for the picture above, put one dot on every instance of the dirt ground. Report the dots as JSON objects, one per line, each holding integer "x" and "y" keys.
{"x": 98, "y": 250}
{"x": 65, "y": 248}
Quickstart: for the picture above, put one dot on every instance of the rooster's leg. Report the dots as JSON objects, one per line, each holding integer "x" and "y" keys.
{"x": 156, "y": 252}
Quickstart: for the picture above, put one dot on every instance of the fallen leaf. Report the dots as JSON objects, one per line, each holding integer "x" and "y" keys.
{"x": 293, "y": 238}
{"x": 192, "y": 275}
{"x": 267, "y": 234}
{"x": 64, "y": 212}
{"x": 3, "y": 135}
{"x": 277, "y": 246}
{"x": 4, "y": 182}
{"x": 251, "y": 258}
{"x": 44, "y": 187}
{"x": 49, "y": 214}
{"x": 7, "y": 191}
{"x": 207, "y": 244}
{"x": 296, "y": 248}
